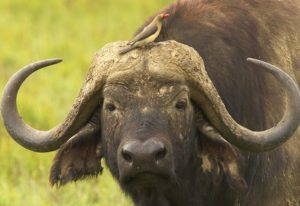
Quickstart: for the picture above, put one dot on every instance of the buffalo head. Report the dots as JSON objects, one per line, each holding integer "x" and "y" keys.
{"x": 143, "y": 112}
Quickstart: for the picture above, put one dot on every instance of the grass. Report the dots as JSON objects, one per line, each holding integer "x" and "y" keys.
{"x": 73, "y": 30}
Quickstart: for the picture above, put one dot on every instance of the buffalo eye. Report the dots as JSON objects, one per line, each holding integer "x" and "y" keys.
{"x": 181, "y": 104}
{"x": 110, "y": 107}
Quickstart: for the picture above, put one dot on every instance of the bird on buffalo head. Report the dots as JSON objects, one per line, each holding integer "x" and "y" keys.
{"x": 147, "y": 35}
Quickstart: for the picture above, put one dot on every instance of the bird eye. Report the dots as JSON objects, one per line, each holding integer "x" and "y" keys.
{"x": 110, "y": 107}
{"x": 181, "y": 104}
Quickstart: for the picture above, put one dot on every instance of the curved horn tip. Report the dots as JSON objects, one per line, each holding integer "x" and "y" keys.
{"x": 256, "y": 61}
{"x": 263, "y": 64}
{"x": 57, "y": 60}
{"x": 250, "y": 59}
{"x": 43, "y": 63}
{"x": 53, "y": 61}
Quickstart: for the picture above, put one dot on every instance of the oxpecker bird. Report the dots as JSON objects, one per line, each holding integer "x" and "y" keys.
{"x": 149, "y": 34}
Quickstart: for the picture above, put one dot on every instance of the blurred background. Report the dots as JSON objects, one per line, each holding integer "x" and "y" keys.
{"x": 73, "y": 30}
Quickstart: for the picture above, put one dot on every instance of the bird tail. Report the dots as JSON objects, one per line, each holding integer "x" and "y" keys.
{"x": 126, "y": 49}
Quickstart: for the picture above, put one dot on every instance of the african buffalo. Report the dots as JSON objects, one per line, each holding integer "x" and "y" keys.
{"x": 189, "y": 123}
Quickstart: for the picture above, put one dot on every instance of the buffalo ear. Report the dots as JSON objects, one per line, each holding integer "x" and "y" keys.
{"x": 78, "y": 158}
{"x": 218, "y": 157}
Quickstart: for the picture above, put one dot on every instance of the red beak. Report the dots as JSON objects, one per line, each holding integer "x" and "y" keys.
{"x": 166, "y": 16}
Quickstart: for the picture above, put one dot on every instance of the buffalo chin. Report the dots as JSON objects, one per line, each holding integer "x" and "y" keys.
{"x": 147, "y": 188}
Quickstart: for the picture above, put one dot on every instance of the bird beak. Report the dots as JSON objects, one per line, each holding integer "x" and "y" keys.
{"x": 166, "y": 16}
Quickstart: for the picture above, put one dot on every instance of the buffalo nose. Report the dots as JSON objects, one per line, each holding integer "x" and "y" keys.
{"x": 150, "y": 150}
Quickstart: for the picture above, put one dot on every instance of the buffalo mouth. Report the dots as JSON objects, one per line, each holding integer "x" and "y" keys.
{"x": 147, "y": 179}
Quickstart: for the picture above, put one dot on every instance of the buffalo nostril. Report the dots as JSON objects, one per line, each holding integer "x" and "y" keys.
{"x": 126, "y": 155}
{"x": 160, "y": 154}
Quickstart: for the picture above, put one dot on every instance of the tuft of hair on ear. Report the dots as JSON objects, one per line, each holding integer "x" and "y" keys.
{"x": 222, "y": 160}
{"x": 78, "y": 158}
{"x": 218, "y": 157}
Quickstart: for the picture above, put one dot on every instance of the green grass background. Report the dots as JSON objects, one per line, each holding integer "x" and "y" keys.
{"x": 73, "y": 30}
